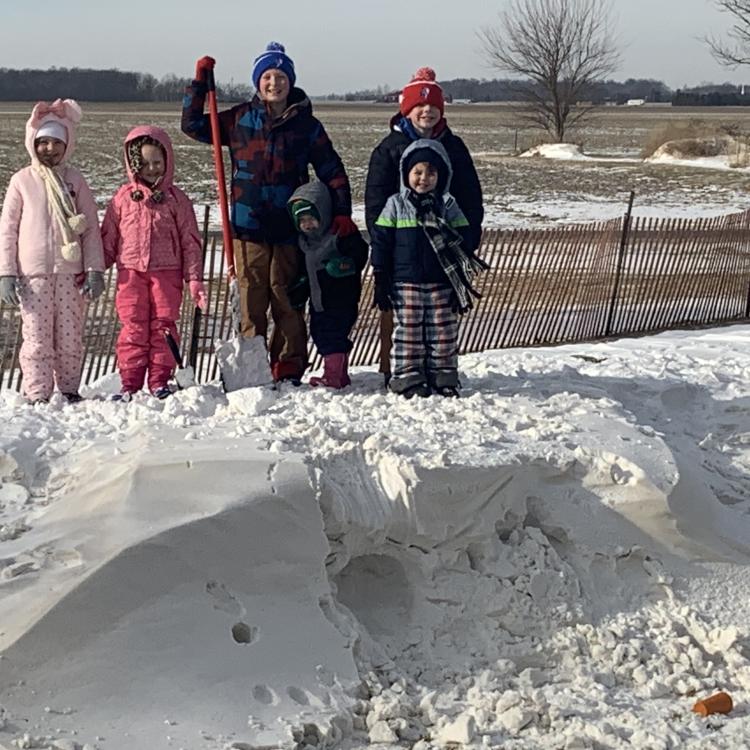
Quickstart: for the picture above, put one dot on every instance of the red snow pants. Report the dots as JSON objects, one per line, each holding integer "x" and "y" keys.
{"x": 148, "y": 303}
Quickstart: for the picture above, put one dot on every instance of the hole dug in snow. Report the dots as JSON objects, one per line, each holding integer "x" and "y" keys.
{"x": 376, "y": 590}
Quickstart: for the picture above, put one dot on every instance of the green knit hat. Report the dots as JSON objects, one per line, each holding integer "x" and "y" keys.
{"x": 300, "y": 208}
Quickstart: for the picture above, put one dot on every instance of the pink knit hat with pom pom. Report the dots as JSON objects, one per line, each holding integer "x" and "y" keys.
{"x": 422, "y": 89}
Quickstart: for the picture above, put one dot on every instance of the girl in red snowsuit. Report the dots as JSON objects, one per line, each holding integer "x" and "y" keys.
{"x": 150, "y": 231}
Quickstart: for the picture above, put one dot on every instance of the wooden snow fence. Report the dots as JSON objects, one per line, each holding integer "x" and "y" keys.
{"x": 564, "y": 284}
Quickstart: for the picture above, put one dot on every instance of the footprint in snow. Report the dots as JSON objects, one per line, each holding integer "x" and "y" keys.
{"x": 224, "y": 600}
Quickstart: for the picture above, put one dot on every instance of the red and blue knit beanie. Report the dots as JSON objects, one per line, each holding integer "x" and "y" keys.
{"x": 274, "y": 58}
{"x": 422, "y": 89}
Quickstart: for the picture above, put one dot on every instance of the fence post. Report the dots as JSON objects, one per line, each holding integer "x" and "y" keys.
{"x": 747, "y": 303}
{"x": 515, "y": 141}
{"x": 620, "y": 258}
{"x": 197, "y": 313}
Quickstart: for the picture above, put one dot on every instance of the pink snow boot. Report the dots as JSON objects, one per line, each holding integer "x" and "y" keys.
{"x": 335, "y": 373}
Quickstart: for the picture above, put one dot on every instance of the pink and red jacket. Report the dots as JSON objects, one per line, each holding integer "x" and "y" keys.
{"x": 152, "y": 229}
{"x": 30, "y": 238}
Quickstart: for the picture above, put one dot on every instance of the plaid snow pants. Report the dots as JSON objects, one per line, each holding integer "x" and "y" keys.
{"x": 425, "y": 337}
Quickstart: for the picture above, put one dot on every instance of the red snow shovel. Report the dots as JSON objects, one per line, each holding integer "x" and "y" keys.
{"x": 243, "y": 362}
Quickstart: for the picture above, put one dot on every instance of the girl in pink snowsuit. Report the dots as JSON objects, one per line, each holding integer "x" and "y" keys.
{"x": 150, "y": 231}
{"x": 50, "y": 253}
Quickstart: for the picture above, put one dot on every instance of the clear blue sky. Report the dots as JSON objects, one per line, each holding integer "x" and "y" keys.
{"x": 337, "y": 45}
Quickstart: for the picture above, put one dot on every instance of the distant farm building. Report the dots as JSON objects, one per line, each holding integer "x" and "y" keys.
{"x": 389, "y": 98}
{"x": 392, "y": 98}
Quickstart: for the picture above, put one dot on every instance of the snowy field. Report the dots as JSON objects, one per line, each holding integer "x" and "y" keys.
{"x": 557, "y": 560}
{"x": 518, "y": 192}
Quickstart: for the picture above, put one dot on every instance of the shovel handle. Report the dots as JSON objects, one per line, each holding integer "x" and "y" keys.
{"x": 172, "y": 344}
{"x": 226, "y": 228}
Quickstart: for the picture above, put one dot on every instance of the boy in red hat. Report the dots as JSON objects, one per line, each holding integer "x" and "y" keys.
{"x": 420, "y": 115}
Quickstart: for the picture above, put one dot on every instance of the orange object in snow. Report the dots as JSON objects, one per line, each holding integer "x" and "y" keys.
{"x": 720, "y": 703}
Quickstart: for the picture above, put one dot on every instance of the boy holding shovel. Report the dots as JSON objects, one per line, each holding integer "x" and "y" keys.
{"x": 271, "y": 139}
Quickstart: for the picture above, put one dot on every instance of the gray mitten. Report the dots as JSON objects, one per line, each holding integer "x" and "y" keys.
{"x": 9, "y": 290}
{"x": 94, "y": 285}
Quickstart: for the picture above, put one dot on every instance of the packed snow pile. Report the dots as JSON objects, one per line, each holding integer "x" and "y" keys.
{"x": 558, "y": 559}
{"x": 714, "y": 152}
{"x": 566, "y": 151}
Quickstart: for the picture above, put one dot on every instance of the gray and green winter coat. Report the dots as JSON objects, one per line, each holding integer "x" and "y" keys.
{"x": 399, "y": 246}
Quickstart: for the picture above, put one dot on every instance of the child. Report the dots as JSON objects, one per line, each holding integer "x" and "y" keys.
{"x": 50, "y": 246}
{"x": 150, "y": 231}
{"x": 421, "y": 115}
{"x": 272, "y": 139}
{"x": 423, "y": 271}
{"x": 333, "y": 266}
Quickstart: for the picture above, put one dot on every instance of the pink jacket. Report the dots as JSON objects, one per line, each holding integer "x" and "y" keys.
{"x": 144, "y": 234}
{"x": 30, "y": 238}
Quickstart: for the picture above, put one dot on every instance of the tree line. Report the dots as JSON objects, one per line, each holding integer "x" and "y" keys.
{"x": 507, "y": 90}
{"x": 88, "y": 84}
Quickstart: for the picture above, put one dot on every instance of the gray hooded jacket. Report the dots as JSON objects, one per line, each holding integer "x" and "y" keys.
{"x": 321, "y": 246}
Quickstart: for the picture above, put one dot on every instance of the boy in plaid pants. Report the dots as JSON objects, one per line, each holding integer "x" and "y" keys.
{"x": 424, "y": 272}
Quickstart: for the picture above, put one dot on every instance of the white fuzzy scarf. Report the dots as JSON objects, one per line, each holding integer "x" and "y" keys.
{"x": 63, "y": 208}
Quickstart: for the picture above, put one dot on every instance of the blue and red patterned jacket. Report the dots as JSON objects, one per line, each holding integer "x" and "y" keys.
{"x": 270, "y": 160}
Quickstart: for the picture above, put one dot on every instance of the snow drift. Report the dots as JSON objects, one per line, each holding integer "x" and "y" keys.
{"x": 713, "y": 152}
{"x": 566, "y": 151}
{"x": 534, "y": 565}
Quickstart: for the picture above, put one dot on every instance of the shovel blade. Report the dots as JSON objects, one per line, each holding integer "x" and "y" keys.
{"x": 243, "y": 362}
{"x": 184, "y": 377}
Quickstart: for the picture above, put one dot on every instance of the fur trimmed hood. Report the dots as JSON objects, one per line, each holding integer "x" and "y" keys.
{"x": 159, "y": 135}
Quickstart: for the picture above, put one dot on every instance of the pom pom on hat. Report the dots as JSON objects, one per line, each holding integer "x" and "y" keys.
{"x": 424, "y": 74}
{"x": 52, "y": 129}
{"x": 274, "y": 57}
{"x": 422, "y": 89}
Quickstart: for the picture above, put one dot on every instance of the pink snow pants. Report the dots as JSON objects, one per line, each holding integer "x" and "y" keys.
{"x": 52, "y": 314}
{"x": 148, "y": 303}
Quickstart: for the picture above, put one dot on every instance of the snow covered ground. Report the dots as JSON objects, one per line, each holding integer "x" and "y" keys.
{"x": 559, "y": 183}
{"x": 559, "y": 559}
{"x": 573, "y": 152}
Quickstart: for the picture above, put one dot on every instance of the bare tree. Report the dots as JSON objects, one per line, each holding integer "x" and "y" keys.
{"x": 557, "y": 49}
{"x": 736, "y": 51}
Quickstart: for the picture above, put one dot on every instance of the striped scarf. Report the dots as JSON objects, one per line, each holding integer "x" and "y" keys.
{"x": 460, "y": 266}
